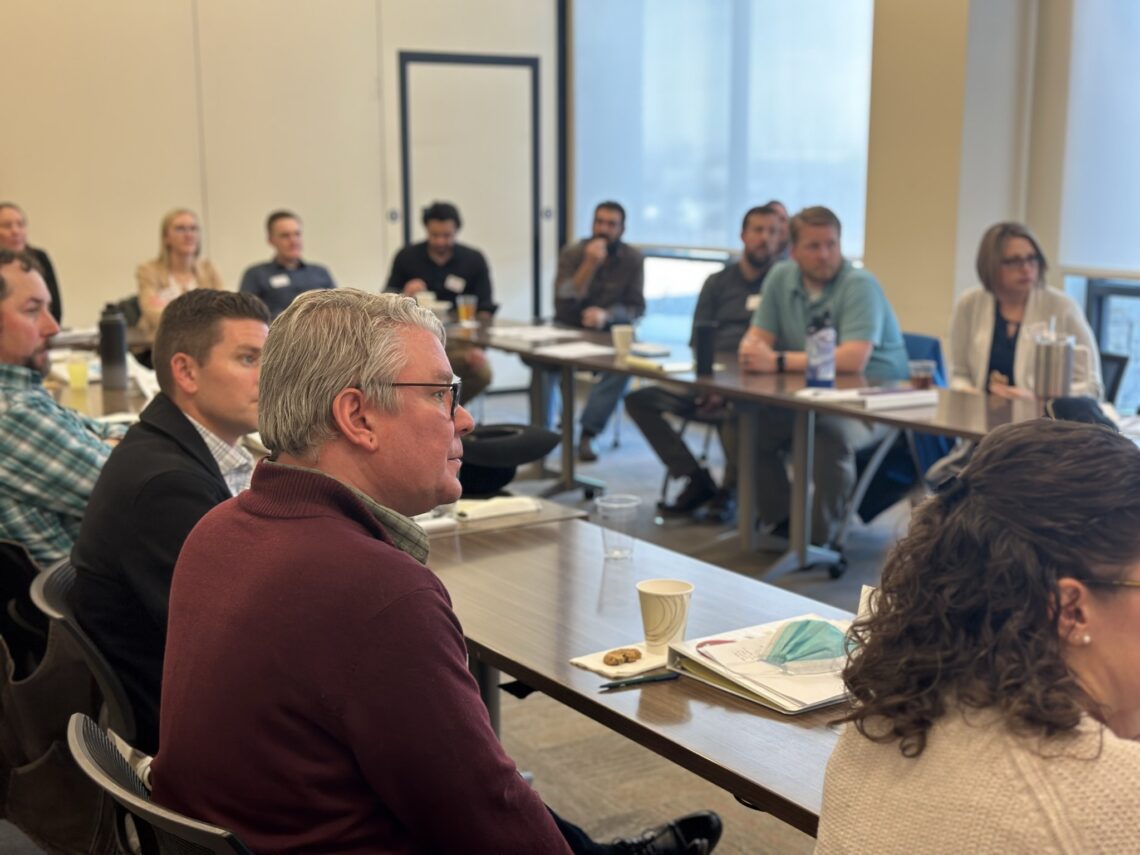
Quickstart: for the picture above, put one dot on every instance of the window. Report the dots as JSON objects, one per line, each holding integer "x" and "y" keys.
{"x": 1102, "y": 173}
{"x": 689, "y": 113}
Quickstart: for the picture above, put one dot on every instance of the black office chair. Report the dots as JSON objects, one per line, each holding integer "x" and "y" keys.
{"x": 710, "y": 423}
{"x": 22, "y": 627}
{"x": 1113, "y": 367}
{"x": 159, "y": 830}
{"x": 51, "y": 592}
{"x": 893, "y": 468}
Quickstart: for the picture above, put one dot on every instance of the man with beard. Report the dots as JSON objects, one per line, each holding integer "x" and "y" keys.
{"x": 447, "y": 268}
{"x": 728, "y": 299}
{"x": 600, "y": 282}
{"x": 50, "y": 456}
{"x": 818, "y": 281}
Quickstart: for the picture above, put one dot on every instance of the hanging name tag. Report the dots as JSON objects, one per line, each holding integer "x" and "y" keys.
{"x": 279, "y": 280}
{"x": 752, "y": 303}
{"x": 455, "y": 284}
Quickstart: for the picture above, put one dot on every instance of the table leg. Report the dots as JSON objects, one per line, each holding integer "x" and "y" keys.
{"x": 800, "y": 552}
{"x": 748, "y": 421}
{"x": 488, "y": 680}
{"x": 567, "y": 479}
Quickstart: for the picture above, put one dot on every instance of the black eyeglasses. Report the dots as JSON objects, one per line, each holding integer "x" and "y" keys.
{"x": 454, "y": 386}
{"x": 1016, "y": 262}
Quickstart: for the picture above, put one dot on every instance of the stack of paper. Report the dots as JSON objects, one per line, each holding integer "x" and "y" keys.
{"x": 726, "y": 661}
{"x": 874, "y": 397}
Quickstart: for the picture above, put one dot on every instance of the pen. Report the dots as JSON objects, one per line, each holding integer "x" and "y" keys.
{"x": 637, "y": 681}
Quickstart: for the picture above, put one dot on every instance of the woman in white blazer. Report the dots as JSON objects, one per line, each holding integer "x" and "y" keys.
{"x": 993, "y": 327}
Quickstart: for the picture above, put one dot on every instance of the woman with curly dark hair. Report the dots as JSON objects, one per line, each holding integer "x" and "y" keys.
{"x": 996, "y": 686}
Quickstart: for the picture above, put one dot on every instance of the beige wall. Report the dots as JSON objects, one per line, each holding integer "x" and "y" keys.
{"x": 231, "y": 109}
{"x": 917, "y": 101}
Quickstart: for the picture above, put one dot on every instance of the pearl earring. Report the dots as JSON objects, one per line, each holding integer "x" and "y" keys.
{"x": 1086, "y": 639}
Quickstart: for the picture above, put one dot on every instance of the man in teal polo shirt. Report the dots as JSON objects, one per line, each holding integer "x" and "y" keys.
{"x": 815, "y": 280}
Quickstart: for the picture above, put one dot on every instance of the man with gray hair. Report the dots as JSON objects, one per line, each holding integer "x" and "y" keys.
{"x": 316, "y": 695}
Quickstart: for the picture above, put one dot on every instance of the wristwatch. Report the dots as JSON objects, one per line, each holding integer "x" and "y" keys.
{"x": 779, "y": 362}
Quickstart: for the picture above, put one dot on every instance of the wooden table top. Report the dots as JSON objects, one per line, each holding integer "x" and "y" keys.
{"x": 95, "y": 401}
{"x": 531, "y": 598}
{"x": 958, "y": 414}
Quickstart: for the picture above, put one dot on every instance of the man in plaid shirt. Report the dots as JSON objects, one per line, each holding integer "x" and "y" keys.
{"x": 50, "y": 456}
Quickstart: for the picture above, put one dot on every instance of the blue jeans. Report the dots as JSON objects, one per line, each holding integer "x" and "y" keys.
{"x": 604, "y": 397}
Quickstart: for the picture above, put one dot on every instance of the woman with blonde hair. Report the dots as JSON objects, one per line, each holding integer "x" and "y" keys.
{"x": 176, "y": 270}
{"x": 995, "y": 686}
{"x": 993, "y": 327}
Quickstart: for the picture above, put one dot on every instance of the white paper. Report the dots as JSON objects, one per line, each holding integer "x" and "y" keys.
{"x": 535, "y": 334}
{"x": 576, "y": 350}
{"x": 482, "y": 509}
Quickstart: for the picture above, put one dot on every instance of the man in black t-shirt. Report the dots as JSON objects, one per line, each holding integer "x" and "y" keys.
{"x": 448, "y": 269}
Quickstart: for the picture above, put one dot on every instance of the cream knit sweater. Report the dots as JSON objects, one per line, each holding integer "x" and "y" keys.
{"x": 979, "y": 788}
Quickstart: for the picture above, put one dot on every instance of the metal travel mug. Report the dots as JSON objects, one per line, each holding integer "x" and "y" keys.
{"x": 1053, "y": 366}
{"x": 705, "y": 341}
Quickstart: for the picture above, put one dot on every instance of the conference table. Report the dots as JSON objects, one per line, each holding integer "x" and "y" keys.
{"x": 957, "y": 414}
{"x": 531, "y": 598}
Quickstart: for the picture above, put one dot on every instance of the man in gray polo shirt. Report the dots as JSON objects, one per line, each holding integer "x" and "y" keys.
{"x": 279, "y": 281}
{"x": 868, "y": 341}
{"x": 728, "y": 299}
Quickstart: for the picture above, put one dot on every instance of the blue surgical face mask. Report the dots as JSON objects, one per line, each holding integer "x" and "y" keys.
{"x": 808, "y": 646}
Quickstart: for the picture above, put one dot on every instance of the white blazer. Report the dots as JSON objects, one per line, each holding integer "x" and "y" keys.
{"x": 972, "y": 333}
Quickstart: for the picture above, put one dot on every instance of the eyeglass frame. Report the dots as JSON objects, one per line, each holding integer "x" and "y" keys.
{"x": 1112, "y": 583}
{"x": 455, "y": 385}
{"x": 1016, "y": 262}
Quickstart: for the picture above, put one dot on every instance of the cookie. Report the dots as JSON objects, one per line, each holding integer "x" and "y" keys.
{"x": 622, "y": 655}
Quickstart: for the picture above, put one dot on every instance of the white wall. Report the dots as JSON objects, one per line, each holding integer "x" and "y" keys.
{"x": 123, "y": 110}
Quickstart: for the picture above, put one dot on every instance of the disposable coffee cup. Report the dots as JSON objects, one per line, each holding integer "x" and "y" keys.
{"x": 664, "y": 612}
{"x": 425, "y": 299}
{"x": 622, "y": 338}
{"x": 617, "y": 514}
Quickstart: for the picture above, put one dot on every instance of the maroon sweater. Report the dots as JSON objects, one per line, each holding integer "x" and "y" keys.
{"x": 316, "y": 697}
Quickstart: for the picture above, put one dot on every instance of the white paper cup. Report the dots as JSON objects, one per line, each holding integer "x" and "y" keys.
{"x": 617, "y": 515}
{"x": 622, "y": 339}
{"x": 664, "y": 611}
{"x": 425, "y": 298}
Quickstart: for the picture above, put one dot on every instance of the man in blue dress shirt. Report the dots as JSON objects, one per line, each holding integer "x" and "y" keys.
{"x": 279, "y": 281}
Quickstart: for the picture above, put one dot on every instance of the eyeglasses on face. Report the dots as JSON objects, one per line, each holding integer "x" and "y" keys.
{"x": 454, "y": 386}
{"x": 1112, "y": 583}
{"x": 1016, "y": 262}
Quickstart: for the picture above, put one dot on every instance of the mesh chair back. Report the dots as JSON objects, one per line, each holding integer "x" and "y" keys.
{"x": 160, "y": 830}
{"x": 51, "y": 592}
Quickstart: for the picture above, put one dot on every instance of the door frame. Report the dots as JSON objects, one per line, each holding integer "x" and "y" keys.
{"x": 406, "y": 59}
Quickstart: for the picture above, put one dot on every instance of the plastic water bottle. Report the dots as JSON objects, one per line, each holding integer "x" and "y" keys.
{"x": 820, "y": 348}
{"x": 113, "y": 347}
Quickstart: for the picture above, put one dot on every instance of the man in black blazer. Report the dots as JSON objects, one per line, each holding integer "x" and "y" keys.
{"x": 181, "y": 459}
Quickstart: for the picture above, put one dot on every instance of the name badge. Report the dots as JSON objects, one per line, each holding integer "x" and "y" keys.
{"x": 279, "y": 280}
{"x": 752, "y": 303}
{"x": 455, "y": 284}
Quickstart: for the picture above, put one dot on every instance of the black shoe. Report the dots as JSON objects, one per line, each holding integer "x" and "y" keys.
{"x": 722, "y": 509}
{"x": 695, "y": 834}
{"x": 699, "y": 490}
{"x": 586, "y": 452}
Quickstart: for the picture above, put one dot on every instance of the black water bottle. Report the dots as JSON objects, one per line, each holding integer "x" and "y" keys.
{"x": 113, "y": 347}
{"x": 705, "y": 341}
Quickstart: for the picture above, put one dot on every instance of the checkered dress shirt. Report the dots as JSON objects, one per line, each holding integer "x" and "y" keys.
{"x": 50, "y": 457}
